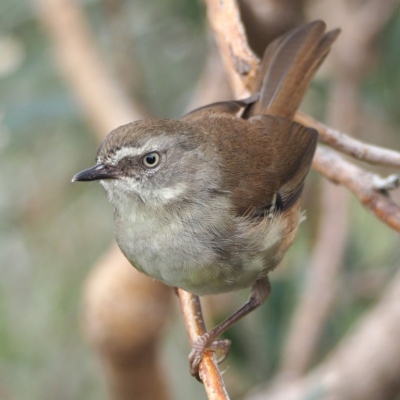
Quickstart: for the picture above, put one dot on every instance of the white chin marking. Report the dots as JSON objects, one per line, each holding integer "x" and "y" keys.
{"x": 130, "y": 188}
{"x": 170, "y": 193}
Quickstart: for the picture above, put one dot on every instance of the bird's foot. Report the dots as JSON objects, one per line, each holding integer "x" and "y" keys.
{"x": 202, "y": 344}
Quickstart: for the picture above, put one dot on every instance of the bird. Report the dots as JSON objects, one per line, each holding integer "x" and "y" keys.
{"x": 210, "y": 203}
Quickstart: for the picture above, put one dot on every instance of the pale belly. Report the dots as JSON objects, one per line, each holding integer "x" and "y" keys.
{"x": 182, "y": 256}
{"x": 179, "y": 258}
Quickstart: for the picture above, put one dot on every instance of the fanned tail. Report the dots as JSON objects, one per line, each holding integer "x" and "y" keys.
{"x": 288, "y": 65}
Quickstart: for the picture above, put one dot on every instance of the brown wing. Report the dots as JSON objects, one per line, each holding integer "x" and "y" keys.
{"x": 246, "y": 157}
{"x": 261, "y": 160}
{"x": 294, "y": 148}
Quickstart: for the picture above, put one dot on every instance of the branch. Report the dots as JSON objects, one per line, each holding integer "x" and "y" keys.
{"x": 348, "y": 145}
{"x": 194, "y": 322}
{"x": 360, "y": 182}
{"x": 241, "y": 63}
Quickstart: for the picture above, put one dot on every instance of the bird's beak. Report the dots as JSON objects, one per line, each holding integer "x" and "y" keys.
{"x": 99, "y": 171}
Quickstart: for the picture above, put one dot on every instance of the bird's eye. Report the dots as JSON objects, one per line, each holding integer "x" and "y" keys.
{"x": 151, "y": 160}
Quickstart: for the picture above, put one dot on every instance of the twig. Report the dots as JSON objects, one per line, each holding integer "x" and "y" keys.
{"x": 228, "y": 35}
{"x": 360, "y": 182}
{"x": 194, "y": 322}
{"x": 348, "y": 145}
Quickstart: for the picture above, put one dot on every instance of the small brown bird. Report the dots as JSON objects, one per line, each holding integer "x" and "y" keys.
{"x": 211, "y": 203}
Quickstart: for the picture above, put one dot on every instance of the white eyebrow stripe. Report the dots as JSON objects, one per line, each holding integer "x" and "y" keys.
{"x": 126, "y": 152}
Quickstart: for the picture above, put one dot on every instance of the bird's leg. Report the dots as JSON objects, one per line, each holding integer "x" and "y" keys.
{"x": 259, "y": 293}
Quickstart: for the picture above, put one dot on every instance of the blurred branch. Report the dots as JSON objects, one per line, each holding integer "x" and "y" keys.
{"x": 209, "y": 373}
{"x": 364, "y": 366}
{"x": 124, "y": 316}
{"x": 122, "y": 49}
{"x": 213, "y": 85}
{"x": 361, "y": 21}
{"x": 318, "y": 294}
{"x": 104, "y": 102}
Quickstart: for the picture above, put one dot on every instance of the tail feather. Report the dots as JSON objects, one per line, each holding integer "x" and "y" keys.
{"x": 287, "y": 68}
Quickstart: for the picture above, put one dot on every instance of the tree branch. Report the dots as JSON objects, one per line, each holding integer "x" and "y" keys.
{"x": 348, "y": 145}
{"x": 241, "y": 63}
{"x": 360, "y": 182}
{"x": 194, "y": 322}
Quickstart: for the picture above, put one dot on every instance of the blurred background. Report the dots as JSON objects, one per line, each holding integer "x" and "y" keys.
{"x": 160, "y": 57}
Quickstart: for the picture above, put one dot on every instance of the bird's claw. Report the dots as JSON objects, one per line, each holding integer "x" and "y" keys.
{"x": 202, "y": 344}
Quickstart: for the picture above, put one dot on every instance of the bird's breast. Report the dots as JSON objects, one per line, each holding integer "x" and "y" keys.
{"x": 204, "y": 251}
{"x": 178, "y": 248}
